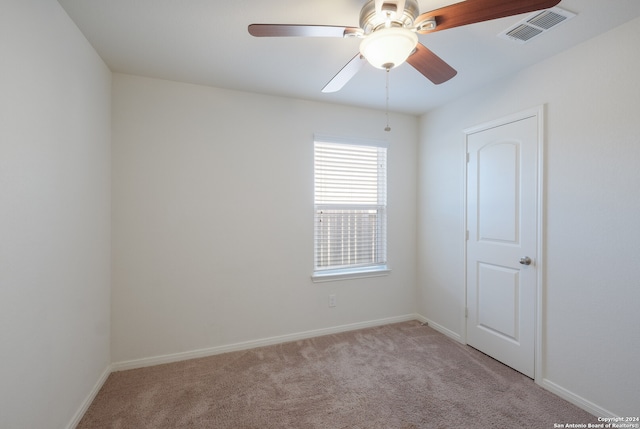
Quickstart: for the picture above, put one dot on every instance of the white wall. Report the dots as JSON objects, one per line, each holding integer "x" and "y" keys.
{"x": 213, "y": 218}
{"x": 591, "y": 335}
{"x": 54, "y": 216}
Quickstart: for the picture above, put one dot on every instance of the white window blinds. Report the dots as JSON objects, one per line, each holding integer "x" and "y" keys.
{"x": 350, "y": 206}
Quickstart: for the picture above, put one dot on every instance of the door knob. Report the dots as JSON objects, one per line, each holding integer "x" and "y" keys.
{"x": 525, "y": 261}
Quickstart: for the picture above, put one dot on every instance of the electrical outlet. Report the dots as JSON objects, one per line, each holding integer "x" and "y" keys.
{"x": 332, "y": 300}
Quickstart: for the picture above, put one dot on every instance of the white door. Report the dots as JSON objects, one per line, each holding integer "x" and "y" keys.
{"x": 502, "y": 199}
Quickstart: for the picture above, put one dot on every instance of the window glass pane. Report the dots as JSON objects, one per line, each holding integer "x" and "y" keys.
{"x": 350, "y": 203}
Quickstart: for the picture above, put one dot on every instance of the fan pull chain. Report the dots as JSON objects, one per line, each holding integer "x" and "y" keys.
{"x": 387, "y": 128}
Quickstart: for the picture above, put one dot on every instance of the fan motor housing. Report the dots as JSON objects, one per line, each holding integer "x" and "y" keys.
{"x": 371, "y": 21}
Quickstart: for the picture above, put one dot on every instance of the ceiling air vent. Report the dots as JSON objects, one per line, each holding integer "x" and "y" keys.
{"x": 536, "y": 24}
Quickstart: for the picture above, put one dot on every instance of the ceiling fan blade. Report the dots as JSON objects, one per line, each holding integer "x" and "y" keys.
{"x": 345, "y": 74}
{"x": 430, "y": 65}
{"x": 472, "y": 11}
{"x": 294, "y": 30}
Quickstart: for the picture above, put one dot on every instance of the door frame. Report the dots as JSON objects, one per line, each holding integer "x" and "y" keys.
{"x": 538, "y": 113}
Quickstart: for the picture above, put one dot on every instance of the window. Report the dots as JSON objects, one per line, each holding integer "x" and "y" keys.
{"x": 350, "y": 199}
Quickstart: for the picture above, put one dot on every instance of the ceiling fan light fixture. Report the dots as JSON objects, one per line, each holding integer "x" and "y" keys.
{"x": 387, "y": 48}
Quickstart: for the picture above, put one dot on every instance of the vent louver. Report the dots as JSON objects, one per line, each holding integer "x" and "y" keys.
{"x": 536, "y": 24}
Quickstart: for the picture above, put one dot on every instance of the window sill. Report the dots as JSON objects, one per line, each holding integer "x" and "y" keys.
{"x": 350, "y": 273}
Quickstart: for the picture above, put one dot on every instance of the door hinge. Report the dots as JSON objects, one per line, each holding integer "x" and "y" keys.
{"x": 466, "y": 312}
{"x": 468, "y": 156}
{"x": 467, "y": 235}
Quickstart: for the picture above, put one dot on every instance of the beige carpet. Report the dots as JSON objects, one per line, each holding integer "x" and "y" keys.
{"x": 400, "y": 376}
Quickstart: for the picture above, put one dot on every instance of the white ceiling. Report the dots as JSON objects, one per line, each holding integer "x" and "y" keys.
{"x": 206, "y": 42}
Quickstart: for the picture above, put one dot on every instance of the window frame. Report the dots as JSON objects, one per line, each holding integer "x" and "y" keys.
{"x": 356, "y": 271}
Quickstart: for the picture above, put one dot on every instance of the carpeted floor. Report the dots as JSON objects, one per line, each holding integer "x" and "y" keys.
{"x": 397, "y": 376}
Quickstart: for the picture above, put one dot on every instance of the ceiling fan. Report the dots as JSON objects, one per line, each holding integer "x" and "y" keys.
{"x": 389, "y": 29}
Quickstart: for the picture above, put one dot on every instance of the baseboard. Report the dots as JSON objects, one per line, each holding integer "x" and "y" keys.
{"x": 420, "y": 318}
{"x": 448, "y": 332}
{"x": 546, "y": 384}
{"x": 176, "y": 357}
{"x": 89, "y": 399}
{"x": 563, "y": 393}
{"x": 140, "y": 363}
{"x": 576, "y": 400}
